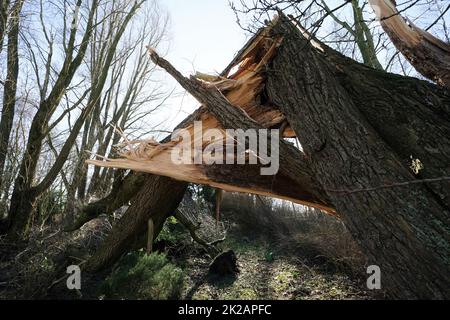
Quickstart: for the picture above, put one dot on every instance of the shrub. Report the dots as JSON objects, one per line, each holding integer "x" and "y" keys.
{"x": 144, "y": 277}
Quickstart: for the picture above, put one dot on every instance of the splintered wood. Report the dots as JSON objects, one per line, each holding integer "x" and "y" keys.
{"x": 242, "y": 84}
{"x": 428, "y": 54}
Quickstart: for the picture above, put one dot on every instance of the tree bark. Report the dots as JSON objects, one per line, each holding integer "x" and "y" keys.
{"x": 405, "y": 231}
{"x": 157, "y": 200}
{"x": 294, "y": 181}
{"x": 24, "y": 194}
{"x": 429, "y": 55}
{"x": 10, "y": 87}
{"x": 123, "y": 192}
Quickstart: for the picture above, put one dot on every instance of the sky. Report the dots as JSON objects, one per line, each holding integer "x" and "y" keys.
{"x": 204, "y": 36}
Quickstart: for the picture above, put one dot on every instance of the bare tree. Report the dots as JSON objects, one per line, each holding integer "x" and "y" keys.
{"x": 130, "y": 96}
{"x": 428, "y": 54}
{"x": 115, "y": 22}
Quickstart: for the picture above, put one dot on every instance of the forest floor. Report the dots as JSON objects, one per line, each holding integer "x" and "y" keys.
{"x": 266, "y": 274}
{"x": 37, "y": 271}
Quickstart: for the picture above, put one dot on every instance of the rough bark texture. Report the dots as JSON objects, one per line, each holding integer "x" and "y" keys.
{"x": 10, "y": 86}
{"x": 4, "y": 6}
{"x": 411, "y": 116}
{"x": 157, "y": 200}
{"x": 405, "y": 231}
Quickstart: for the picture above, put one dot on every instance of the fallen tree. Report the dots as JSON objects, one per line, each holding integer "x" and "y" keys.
{"x": 238, "y": 103}
{"x": 375, "y": 149}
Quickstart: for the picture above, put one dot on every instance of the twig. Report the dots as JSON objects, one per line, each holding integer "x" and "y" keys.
{"x": 52, "y": 235}
{"x": 22, "y": 253}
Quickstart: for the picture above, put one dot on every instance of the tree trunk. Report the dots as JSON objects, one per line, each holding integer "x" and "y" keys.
{"x": 360, "y": 129}
{"x": 10, "y": 87}
{"x": 4, "y": 6}
{"x": 157, "y": 200}
{"x": 405, "y": 231}
{"x": 123, "y": 191}
{"x": 24, "y": 195}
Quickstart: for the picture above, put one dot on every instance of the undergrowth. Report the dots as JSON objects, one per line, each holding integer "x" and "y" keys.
{"x": 140, "y": 276}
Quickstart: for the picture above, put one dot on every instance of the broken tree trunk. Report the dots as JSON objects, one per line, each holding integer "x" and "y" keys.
{"x": 288, "y": 185}
{"x": 229, "y": 103}
{"x": 122, "y": 193}
{"x": 404, "y": 230}
{"x": 429, "y": 55}
{"x": 359, "y": 128}
{"x": 157, "y": 200}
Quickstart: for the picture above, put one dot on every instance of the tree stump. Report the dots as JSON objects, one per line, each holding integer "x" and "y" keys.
{"x": 225, "y": 264}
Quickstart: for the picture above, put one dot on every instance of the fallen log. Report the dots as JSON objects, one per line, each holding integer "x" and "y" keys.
{"x": 157, "y": 200}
